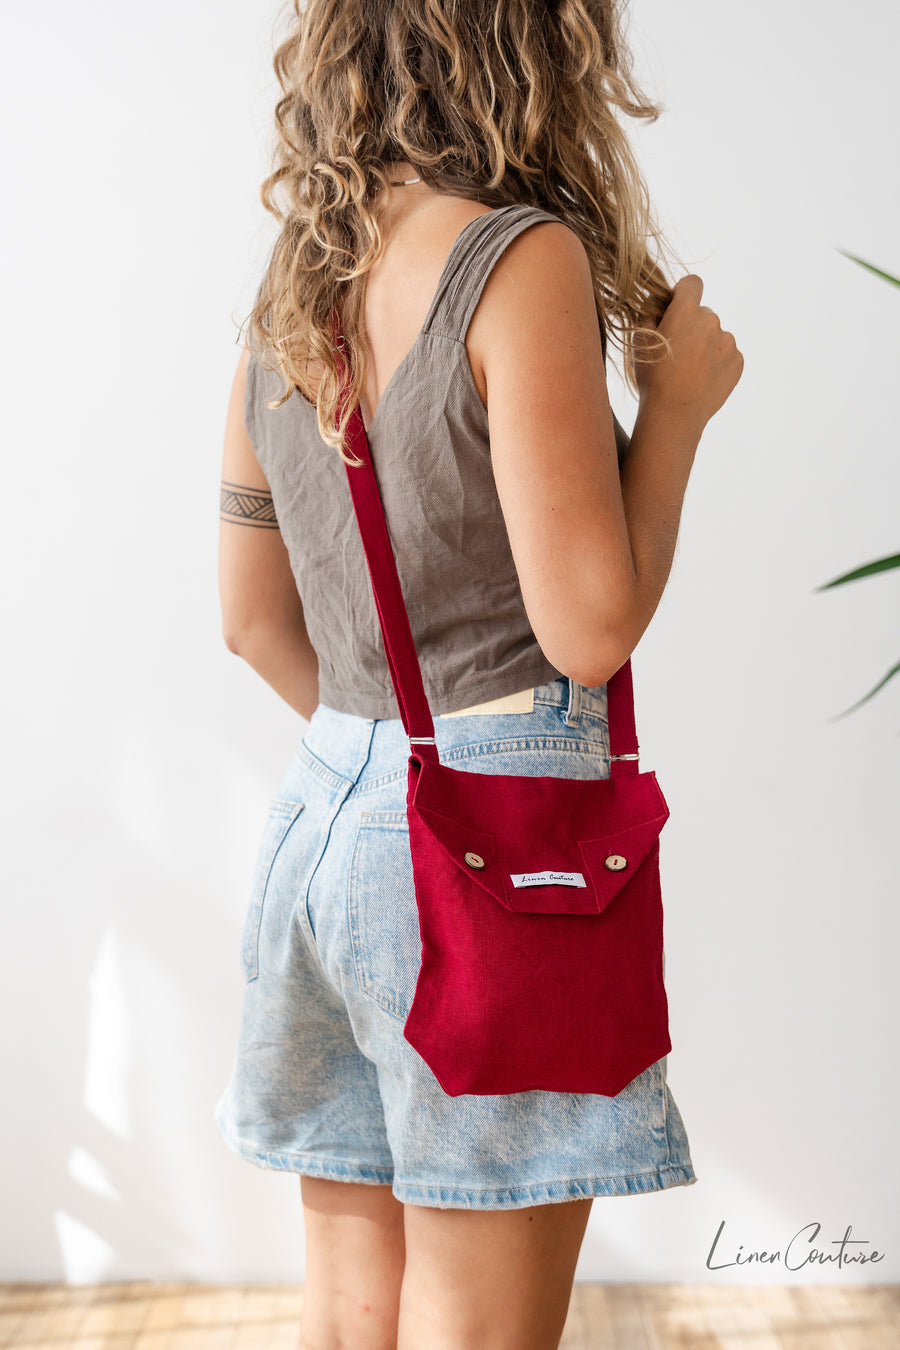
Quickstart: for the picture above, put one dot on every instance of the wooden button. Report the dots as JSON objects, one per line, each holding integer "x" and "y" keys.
{"x": 474, "y": 860}
{"x": 615, "y": 862}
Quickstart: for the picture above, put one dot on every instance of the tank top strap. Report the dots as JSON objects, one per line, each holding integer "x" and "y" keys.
{"x": 474, "y": 253}
{"x": 475, "y": 250}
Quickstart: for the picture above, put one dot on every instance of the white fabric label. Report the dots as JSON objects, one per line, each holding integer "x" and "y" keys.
{"x": 547, "y": 879}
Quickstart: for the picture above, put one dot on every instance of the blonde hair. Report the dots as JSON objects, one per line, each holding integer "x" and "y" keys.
{"x": 498, "y": 101}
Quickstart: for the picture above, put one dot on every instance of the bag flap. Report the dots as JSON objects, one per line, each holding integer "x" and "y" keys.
{"x": 541, "y": 844}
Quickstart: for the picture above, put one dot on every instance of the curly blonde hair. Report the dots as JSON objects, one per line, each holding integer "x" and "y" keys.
{"x": 498, "y": 101}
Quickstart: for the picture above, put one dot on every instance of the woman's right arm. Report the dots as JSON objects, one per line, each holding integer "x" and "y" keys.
{"x": 593, "y": 550}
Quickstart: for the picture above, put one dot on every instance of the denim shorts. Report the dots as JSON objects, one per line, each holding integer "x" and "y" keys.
{"x": 323, "y": 1081}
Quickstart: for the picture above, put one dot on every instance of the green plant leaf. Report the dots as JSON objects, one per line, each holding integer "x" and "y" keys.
{"x": 881, "y": 564}
{"x": 877, "y": 270}
{"x": 880, "y": 685}
{"x": 869, "y": 570}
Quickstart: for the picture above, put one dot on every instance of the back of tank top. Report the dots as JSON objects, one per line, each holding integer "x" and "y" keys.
{"x": 430, "y": 448}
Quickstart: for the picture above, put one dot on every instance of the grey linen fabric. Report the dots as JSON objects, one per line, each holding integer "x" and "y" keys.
{"x": 431, "y": 451}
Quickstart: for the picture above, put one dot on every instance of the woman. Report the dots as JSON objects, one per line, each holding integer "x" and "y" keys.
{"x": 457, "y": 185}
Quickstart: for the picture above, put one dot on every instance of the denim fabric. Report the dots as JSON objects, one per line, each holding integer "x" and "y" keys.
{"x": 323, "y": 1082}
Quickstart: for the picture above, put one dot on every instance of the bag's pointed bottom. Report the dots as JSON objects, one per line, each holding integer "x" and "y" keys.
{"x": 559, "y": 1076}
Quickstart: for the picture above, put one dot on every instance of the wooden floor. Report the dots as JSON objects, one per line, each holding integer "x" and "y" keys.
{"x": 152, "y": 1316}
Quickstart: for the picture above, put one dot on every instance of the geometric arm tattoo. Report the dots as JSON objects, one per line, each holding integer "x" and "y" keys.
{"x": 247, "y": 506}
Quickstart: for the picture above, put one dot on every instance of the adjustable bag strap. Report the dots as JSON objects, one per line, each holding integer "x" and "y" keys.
{"x": 623, "y": 744}
{"x": 399, "y": 647}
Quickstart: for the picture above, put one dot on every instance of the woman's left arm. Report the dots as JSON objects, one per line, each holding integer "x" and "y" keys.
{"x": 262, "y": 615}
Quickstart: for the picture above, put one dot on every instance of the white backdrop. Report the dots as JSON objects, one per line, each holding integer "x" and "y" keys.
{"x": 140, "y": 754}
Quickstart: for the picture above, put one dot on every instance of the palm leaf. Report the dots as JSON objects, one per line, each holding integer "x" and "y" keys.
{"x": 869, "y": 570}
{"x": 881, "y": 564}
{"x": 877, "y": 270}
{"x": 880, "y": 685}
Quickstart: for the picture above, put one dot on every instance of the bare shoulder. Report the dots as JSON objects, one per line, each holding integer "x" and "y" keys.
{"x": 552, "y": 242}
{"x": 539, "y": 293}
{"x": 546, "y": 257}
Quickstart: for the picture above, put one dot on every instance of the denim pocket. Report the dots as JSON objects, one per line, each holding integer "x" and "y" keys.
{"x": 382, "y": 912}
{"x": 282, "y": 814}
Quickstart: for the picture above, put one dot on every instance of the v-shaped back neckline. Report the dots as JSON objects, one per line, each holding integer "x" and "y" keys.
{"x": 435, "y": 300}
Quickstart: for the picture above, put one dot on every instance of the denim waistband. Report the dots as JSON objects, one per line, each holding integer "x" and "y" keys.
{"x": 578, "y": 700}
{"x": 341, "y": 748}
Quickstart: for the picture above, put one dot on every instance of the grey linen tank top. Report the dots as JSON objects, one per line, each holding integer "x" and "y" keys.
{"x": 431, "y": 452}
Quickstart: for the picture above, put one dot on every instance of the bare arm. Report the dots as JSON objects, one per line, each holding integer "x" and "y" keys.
{"x": 593, "y": 551}
{"x": 262, "y": 615}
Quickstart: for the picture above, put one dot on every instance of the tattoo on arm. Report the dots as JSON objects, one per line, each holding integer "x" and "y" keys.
{"x": 247, "y": 506}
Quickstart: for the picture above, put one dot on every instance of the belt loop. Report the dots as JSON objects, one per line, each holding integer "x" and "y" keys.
{"x": 573, "y": 711}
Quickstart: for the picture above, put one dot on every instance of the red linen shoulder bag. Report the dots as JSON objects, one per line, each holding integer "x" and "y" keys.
{"x": 539, "y": 900}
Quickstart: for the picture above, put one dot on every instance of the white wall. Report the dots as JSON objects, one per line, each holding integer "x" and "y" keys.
{"x": 140, "y": 755}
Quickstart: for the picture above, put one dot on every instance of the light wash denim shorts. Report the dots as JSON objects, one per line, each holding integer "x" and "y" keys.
{"x": 323, "y": 1081}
